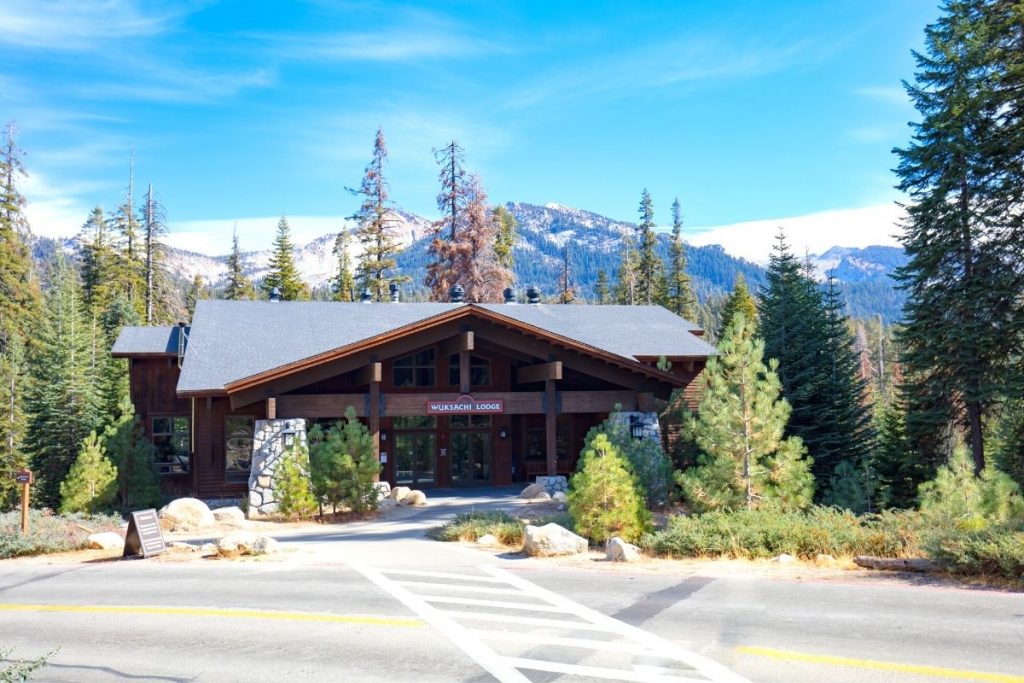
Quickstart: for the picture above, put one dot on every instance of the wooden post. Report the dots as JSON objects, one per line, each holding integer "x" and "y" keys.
{"x": 551, "y": 427}
{"x": 464, "y": 372}
{"x": 375, "y": 420}
{"x": 271, "y": 408}
{"x": 24, "y": 477}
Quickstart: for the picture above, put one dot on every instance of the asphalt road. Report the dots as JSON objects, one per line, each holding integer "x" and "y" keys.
{"x": 379, "y": 602}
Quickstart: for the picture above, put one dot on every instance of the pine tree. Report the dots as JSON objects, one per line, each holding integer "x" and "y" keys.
{"x": 451, "y": 201}
{"x": 159, "y": 305}
{"x": 376, "y": 231}
{"x": 292, "y": 486}
{"x": 964, "y": 228}
{"x": 602, "y": 294}
{"x": 137, "y": 483}
{"x": 745, "y": 461}
{"x": 284, "y": 274}
{"x": 505, "y": 237}
{"x": 98, "y": 263}
{"x": 343, "y": 285}
{"x": 566, "y": 292}
{"x": 63, "y": 403}
{"x": 91, "y": 484}
{"x": 238, "y": 287}
{"x": 343, "y": 465}
{"x": 680, "y": 297}
{"x": 129, "y": 267}
{"x": 13, "y": 385}
{"x": 112, "y": 381}
{"x": 603, "y": 497}
{"x": 197, "y": 291}
{"x": 475, "y": 265}
{"x": 898, "y": 468}
{"x": 649, "y": 265}
{"x": 739, "y": 301}
{"x": 627, "y": 276}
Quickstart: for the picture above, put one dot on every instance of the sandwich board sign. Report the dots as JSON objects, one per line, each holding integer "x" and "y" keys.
{"x": 144, "y": 536}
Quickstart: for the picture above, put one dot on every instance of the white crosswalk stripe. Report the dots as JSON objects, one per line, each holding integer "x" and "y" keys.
{"x": 566, "y": 638}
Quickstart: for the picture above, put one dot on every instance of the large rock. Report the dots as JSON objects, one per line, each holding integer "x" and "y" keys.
{"x": 532, "y": 491}
{"x": 414, "y": 498}
{"x": 617, "y": 550}
{"x": 106, "y": 540}
{"x": 550, "y": 540}
{"x": 559, "y": 496}
{"x": 246, "y": 543}
{"x": 383, "y": 490}
{"x": 229, "y": 514}
{"x": 488, "y": 540}
{"x": 399, "y": 492}
{"x": 186, "y": 514}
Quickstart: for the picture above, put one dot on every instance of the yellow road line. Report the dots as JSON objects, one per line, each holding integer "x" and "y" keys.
{"x": 921, "y": 670}
{"x": 212, "y": 612}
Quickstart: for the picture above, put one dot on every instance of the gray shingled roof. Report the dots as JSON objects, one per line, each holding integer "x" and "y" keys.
{"x": 628, "y": 331}
{"x": 146, "y": 341}
{"x": 232, "y": 340}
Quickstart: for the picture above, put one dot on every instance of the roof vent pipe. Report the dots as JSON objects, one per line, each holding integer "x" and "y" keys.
{"x": 393, "y": 288}
{"x": 366, "y": 297}
{"x": 457, "y": 295}
{"x": 532, "y": 295}
{"x": 275, "y": 294}
{"x": 510, "y": 295}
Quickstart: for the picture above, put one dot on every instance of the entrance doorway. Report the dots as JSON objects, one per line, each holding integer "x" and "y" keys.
{"x": 471, "y": 449}
{"x": 415, "y": 450}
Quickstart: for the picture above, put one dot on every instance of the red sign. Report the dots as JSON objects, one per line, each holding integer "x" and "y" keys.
{"x": 466, "y": 405}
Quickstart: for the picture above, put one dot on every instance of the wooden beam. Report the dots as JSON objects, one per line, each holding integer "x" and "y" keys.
{"x": 271, "y": 408}
{"x": 463, "y": 341}
{"x": 375, "y": 421}
{"x": 464, "y": 370}
{"x": 551, "y": 427}
{"x": 540, "y": 372}
{"x": 369, "y": 373}
{"x": 312, "y": 406}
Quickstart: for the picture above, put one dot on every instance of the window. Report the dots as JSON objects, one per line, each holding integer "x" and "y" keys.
{"x": 413, "y": 422}
{"x": 479, "y": 371}
{"x": 238, "y": 431}
{"x": 416, "y": 370}
{"x": 171, "y": 442}
{"x": 470, "y": 421}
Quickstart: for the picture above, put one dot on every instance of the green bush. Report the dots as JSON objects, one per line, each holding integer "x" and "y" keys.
{"x": 138, "y": 484}
{"x": 344, "y": 465}
{"x": 91, "y": 484}
{"x": 992, "y": 551}
{"x": 469, "y": 526}
{"x": 766, "y": 533}
{"x": 50, "y": 533}
{"x": 604, "y": 500}
{"x": 292, "y": 484}
{"x": 648, "y": 463}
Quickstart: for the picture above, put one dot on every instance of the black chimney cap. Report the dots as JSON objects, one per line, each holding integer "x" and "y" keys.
{"x": 457, "y": 295}
{"x": 366, "y": 297}
{"x": 533, "y": 295}
{"x": 510, "y": 295}
{"x": 393, "y": 288}
{"x": 275, "y": 294}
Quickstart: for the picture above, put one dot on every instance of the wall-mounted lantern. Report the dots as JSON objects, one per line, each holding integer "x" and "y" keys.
{"x": 502, "y": 433}
{"x": 636, "y": 427}
{"x": 383, "y": 435}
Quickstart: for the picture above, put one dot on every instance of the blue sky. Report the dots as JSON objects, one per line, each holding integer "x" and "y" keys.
{"x": 753, "y": 113}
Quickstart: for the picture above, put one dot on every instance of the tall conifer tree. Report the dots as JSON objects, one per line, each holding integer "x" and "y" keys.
{"x": 649, "y": 266}
{"x": 238, "y": 285}
{"x": 680, "y": 298}
{"x": 740, "y": 301}
{"x": 130, "y": 264}
{"x": 376, "y": 231}
{"x": 284, "y": 274}
{"x": 451, "y": 201}
{"x": 343, "y": 286}
{"x": 602, "y": 293}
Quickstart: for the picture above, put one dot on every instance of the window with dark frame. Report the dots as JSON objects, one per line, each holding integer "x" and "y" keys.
{"x": 415, "y": 370}
{"x": 479, "y": 371}
{"x": 171, "y": 443}
{"x": 238, "y": 436}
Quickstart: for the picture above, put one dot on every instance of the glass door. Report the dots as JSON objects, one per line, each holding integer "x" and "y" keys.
{"x": 471, "y": 449}
{"x": 414, "y": 451}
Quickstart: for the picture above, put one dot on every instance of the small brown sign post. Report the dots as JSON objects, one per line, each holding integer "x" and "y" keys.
{"x": 144, "y": 536}
{"x": 24, "y": 477}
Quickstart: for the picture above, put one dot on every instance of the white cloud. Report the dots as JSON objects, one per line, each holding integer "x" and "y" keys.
{"x": 893, "y": 94}
{"x": 814, "y": 233}
{"x": 74, "y": 25}
{"x": 54, "y": 211}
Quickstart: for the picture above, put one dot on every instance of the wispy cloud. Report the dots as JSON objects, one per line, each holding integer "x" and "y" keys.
{"x": 683, "y": 60}
{"x": 879, "y": 133}
{"x": 74, "y": 25}
{"x": 56, "y": 210}
{"x": 814, "y": 233}
{"x": 891, "y": 94}
{"x": 400, "y": 45}
{"x": 155, "y": 82}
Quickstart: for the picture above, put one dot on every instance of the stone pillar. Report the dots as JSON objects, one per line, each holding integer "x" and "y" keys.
{"x": 271, "y": 439}
{"x": 647, "y": 421}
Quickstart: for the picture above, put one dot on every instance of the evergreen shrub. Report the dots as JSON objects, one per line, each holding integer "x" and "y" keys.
{"x": 91, "y": 484}
{"x": 343, "y": 465}
{"x": 50, "y": 533}
{"x": 603, "y": 497}
{"x": 292, "y": 484}
{"x": 469, "y": 526}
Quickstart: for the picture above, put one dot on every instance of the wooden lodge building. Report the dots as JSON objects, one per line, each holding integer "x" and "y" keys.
{"x": 453, "y": 393}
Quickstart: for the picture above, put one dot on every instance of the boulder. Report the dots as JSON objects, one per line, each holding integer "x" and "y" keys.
{"x": 784, "y": 558}
{"x": 383, "y": 489}
{"x": 399, "y": 492}
{"x": 550, "y": 540}
{"x": 532, "y": 491}
{"x": 228, "y": 514}
{"x": 181, "y": 545}
{"x": 187, "y": 513}
{"x": 559, "y": 496}
{"x": 542, "y": 496}
{"x": 618, "y": 550}
{"x": 488, "y": 539}
{"x": 414, "y": 498}
{"x": 107, "y": 540}
{"x": 386, "y": 504}
{"x": 246, "y": 543}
